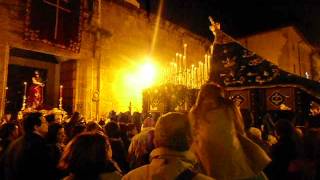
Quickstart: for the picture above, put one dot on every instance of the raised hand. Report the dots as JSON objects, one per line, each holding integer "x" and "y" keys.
{"x": 214, "y": 25}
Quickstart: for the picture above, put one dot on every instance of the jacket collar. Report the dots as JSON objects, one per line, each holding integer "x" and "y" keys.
{"x": 165, "y": 153}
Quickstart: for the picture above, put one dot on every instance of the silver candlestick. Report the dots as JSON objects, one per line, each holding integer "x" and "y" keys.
{"x": 24, "y": 96}
{"x": 60, "y": 98}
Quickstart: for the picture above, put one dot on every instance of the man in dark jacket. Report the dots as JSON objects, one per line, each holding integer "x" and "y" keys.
{"x": 28, "y": 157}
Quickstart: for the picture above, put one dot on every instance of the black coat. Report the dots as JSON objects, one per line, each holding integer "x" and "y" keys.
{"x": 28, "y": 158}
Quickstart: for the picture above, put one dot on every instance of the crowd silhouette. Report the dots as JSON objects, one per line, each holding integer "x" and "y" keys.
{"x": 209, "y": 142}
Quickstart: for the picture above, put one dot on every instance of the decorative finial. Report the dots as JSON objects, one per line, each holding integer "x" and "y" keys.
{"x": 214, "y": 25}
{"x": 219, "y": 36}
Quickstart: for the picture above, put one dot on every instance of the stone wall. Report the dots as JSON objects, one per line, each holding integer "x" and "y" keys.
{"x": 284, "y": 47}
{"x": 12, "y": 15}
{"x": 129, "y": 40}
{"x": 125, "y": 39}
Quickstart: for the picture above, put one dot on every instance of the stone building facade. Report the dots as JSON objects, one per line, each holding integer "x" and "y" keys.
{"x": 285, "y": 47}
{"x": 118, "y": 36}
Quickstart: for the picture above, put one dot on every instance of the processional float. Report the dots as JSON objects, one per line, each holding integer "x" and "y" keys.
{"x": 252, "y": 82}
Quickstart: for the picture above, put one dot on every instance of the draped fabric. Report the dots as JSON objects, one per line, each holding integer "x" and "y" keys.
{"x": 234, "y": 67}
{"x": 35, "y": 96}
{"x": 227, "y": 153}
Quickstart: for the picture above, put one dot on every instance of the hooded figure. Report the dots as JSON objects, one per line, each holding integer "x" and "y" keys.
{"x": 219, "y": 138}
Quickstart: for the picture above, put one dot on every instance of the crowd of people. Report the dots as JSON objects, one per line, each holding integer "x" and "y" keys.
{"x": 209, "y": 142}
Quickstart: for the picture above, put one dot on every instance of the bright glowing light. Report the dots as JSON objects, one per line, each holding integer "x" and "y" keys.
{"x": 146, "y": 75}
{"x": 132, "y": 80}
{"x": 143, "y": 77}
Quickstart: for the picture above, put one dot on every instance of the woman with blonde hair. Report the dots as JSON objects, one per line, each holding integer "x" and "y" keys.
{"x": 220, "y": 142}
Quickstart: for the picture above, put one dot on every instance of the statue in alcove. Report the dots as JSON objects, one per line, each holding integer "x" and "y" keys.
{"x": 35, "y": 92}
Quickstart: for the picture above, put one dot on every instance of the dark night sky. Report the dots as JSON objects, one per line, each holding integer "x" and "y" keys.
{"x": 243, "y": 17}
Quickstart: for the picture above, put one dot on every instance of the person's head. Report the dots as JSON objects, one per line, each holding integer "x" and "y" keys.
{"x": 35, "y": 122}
{"x": 75, "y": 117}
{"x": 284, "y": 128}
{"x": 93, "y": 126}
{"x": 36, "y": 73}
{"x": 136, "y": 118}
{"x": 87, "y": 154}
{"x": 102, "y": 122}
{"x": 148, "y": 123}
{"x": 112, "y": 115}
{"x": 271, "y": 140}
{"x": 123, "y": 118}
{"x": 9, "y": 131}
{"x": 56, "y": 133}
{"x": 155, "y": 116}
{"x": 131, "y": 129}
{"x": 142, "y": 144}
{"x": 77, "y": 129}
{"x": 112, "y": 130}
{"x": 50, "y": 118}
{"x": 173, "y": 131}
{"x": 255, "y": 132}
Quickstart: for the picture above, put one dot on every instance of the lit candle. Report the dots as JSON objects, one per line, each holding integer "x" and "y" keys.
{"x": 203, "y": 73}
{"x": 211, "y": 49}
{"x": 209, "y": 65}
{"x": 192, "y": 75}
{"x": 61, "y": 87}
{"x": 164, "y": 75}
{"x": 160, "y": 79}
{"x": 25, "y": 88}
{"x": 176, "y": 73}
{"x": 180, "y": 62}
{"x": 170, "y": 71}
{"x": 196, "y": 76}
{"x": 99, "y": 13}
{"x": 187, "y": 77}
{"x": 205, "y": 67}
{"x": 6, "y": 91}
{"x": 184, "y": 62}
{"x": 201, "y": 66}
{"x": 167, "y": 74}
{"x": 177, "y": 58}
{"x": 185, "y": 51}
{"x": 200, "y": 73}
